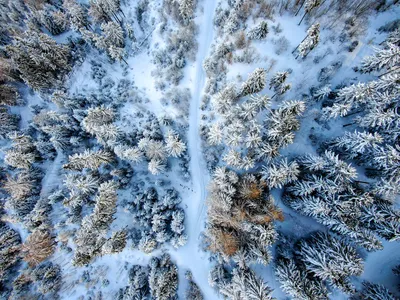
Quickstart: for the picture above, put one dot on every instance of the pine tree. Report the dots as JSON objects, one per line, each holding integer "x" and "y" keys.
{"x": 372, "y": 291}
{"x": 255, "y": 83}
{"x": 78, "y": 17}
{"x": 309, "y": 6}
{"x": 163, "y": 278}
{"x": 259, "y": 32}
{"x": 331, "y": 259}
{"x": 23, "y": 154}
{"x": 193, "y": 292}
{"x": 42, "y": 62}
{"x": 174, "y": 146}
{"x": 310, "y": 41}
{"x": 215, "y": 134}
{"x": 358, "y": 142}
{"x": 186, "y": 8}
{"x": 10, "y": 242}
{"x": 296, "y": 284}
{"x": 281, "y": 173}
{"x": 278, "y": 83}
{"x": 383, "y": 59}
{"x": 89, "y": 159}
{"x": 156, "y": 166}
{"x": 113, "y": 34}
{"x": 8, "y": 123}
{"x": 116, "y": 243}
{"x": 132, "y": 154}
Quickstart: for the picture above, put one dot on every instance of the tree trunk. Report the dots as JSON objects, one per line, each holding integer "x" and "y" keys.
{"x": 349, "y": 124}
{"x": 300, "y": 8}
{"x": 303, "y": 18}
{"x": 390, "y": 71}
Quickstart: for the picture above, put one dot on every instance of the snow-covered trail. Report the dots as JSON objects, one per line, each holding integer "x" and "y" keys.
{"x": 191, "y": 256}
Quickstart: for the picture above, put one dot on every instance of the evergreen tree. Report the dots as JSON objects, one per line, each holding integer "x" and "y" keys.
{"x": 383, "y": 59}
{"x": 259, "y": 32}
{"x": 77, "y": 14}
{"x": 279, "y": 174}
{"x": 372, "y": 291}
{"x": 116, "y": 243}
{"x": 163, "y": 278}
{"x": 255, "y": 83}
{"x": 89, "y": 159}
{"x": 174, "y": 146}
{"x": 42, "y": 62}
{"x": 310, "y": 41}
{"x": 330, "y": 259}
{"x": 193, "y": 292}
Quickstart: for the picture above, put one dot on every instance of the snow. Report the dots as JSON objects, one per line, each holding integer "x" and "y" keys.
{"x": 304, "y": 74}
{"x": 190, "y": 256}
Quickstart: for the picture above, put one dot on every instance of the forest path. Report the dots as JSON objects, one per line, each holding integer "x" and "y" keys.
{"x": 191, "y": 256}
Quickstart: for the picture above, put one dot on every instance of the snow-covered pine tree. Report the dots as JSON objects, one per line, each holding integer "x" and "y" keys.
{"x": 193, "y": 291}
{"x": 116, "y": 243}
{"x": 77, "y": 14}
{"x": 174, "y": 145}
{"x": 310, "y": 41}
{"x": 280, "y": 173}
{"x": 132, "y": 154}
{"x": 373, "y": 291}
{"x": 331, "y": 259}
{"x": 113, "y": 34}
{"x": 245, "y": 284}
{"x": 281, "y": 123}
{"x": 309, "y": 6}
{"x": 23, "y": 153}
{"x": 42, "y": 62}
{"x": 295, "y": 282}
{"x": 163, "y": 278}
{"x": 156, "y": 166}
{"x": 8, "y": 122}
{"x": 277, "y": 82}
{"x": 259, "y": 32}
{"x": 89, "y": 159}
{"x": 10, "y": 242}
{"x": 358, "y": 143}
{"x": 386, "y": 58}
{"x": 255, "y": 82}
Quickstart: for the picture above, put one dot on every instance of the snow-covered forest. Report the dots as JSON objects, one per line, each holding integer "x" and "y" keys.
{"x": 200, "y": 149}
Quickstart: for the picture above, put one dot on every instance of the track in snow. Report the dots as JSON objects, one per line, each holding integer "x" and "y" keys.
{"x": 191, "y": 256}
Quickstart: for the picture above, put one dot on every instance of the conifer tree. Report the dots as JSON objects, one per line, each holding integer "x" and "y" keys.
{"x": 255, "y": 83}
{"x": 382, "y": 59}
{"x": 259, "y": 32}
{"x": 331, "y": 259}
{"x": 78, "y": 17}
{"x": 42, "y": 62}
{"x": 89, "y": 159}
{"x": 310, "y": 41}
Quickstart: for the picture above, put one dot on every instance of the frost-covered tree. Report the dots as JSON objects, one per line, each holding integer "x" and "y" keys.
{"x": 259, "y": 32}
{"x": 8, "y": 122}
{"x": 277, "y": 82}
{"x": 163, "y": 278}
{"x": 373, "y": 291}
{"x": 244, "y": 284}
{"x": 48, "y": 278}
{"x": 255, "y": 82}
{"x": 295, "y": 282}
{"x": 215, "y": 134}
{"x": 77, "y": 14}
{"x": 193, "y": 291}
{"x": 38, "y": 246}
{"x": 89, "y": 159}
{"x": 386, "y": 58}
{"x": 113, "y": 34}
{"x": 132, "y": 154}
{"x": 42, "y": 62}
{"x": 90, "y": 237}
{"x": 358, "y": 143}
{"x": 186, "y": 8}
{"x": 23, "y": 153}
{"x": 309, "y": 5}
{"x": 281, "y": 123}
{"x": 173, "y": 144}
{"x": 156, "y": 166}
{"x": 280, "y": 173}
{"x": 116, "y": 243}
{"x": 10, "y": 242}
{"x": 310, "y": 41}
{"x": 331, "y": 259}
